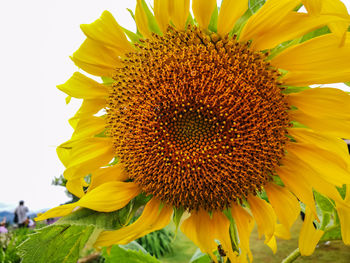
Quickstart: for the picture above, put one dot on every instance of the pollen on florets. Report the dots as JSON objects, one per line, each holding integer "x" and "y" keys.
{"x": 199, "y": 121}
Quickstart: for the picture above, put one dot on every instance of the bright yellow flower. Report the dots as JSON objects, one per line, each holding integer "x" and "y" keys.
{"x": 198, "y": 116}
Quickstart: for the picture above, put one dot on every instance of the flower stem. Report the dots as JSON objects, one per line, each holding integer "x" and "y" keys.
{"x": 292, "y": 256}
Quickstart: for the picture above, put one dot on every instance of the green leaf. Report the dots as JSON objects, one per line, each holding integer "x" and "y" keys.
{"x": 133, "y": 245}
{"x": 109, "y": 221}
{"x": 324, "y": 203}
{"x": 199, "y": 257}
{"x": 121, "y": 255}
{"x": 333, "y": 233}
{"x": 56, "y": 243}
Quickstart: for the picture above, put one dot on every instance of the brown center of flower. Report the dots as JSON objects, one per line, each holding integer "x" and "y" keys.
{"x": 198, "y": 121}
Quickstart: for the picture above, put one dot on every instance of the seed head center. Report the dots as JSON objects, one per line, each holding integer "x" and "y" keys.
{"x": 198, "y": 121}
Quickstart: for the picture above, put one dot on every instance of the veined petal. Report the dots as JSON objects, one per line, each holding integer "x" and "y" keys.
{"x": 264, "y": 216}
{"x": 97, "y": 59}
{"x": 324, "y": 141}
{"x": 88, "y": 108}
{"x": 328, "y": 166}
{"x": 310, "y": 177}
{"x": 322, "y": 102}
{"x": 89, "y": 127}
{"x": 154, "y": 217}
{"x": 89, "y": 155}
{"x": 230, "y": 12}
{"x": 109, "y": 196}
{"x": 202, "y": 11}
{"x": 179, "y": 11}
{"x": 141, "y": 20}
{"x": 203, "y": 231}
{"x": 336, "y": 127}
{"x": 313, "y": 7}
{"x": 161, "y": 13}
{"x": 305, "y": 78}
{"x": 318, "y": 54}
{"x": 82, "y": 87}
{"x": 294, "y": 25}
{"x": 76, "y": 186}
{"x": 245, "y": 224}
{"x": 309, "y": 236}
{"x": 296, "y": 183}
{"x": 272, "y": 244}
{"x": 107, "y": 31}
{"x": 270, "y": 15}
{"x": 344, "y": 216}
{"x": 284, "y": 203}
{"x": 108, "y": 174}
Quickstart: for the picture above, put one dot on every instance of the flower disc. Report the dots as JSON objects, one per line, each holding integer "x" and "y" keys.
{"x": 198, "y": 121}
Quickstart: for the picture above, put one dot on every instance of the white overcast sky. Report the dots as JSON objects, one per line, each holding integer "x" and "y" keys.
{"x": 37, "y": 38}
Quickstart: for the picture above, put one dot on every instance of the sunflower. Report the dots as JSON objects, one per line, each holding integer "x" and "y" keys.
{"x": 210, "y": 117}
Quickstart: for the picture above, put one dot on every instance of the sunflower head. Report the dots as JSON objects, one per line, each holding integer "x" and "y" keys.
{"x": 206, "y": 114}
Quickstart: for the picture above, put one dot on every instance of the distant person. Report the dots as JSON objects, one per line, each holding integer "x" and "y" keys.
{"x": 3, "y": 229}
{"x": 21, "y": 212}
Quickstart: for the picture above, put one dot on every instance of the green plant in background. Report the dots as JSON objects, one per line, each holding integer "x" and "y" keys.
{"x": 9, "y": 243}
{"x": 157, "y": 243}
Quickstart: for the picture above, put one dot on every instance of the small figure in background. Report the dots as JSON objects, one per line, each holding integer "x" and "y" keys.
{"x": 21, "y": 212}
{"x": 3, "y": 228}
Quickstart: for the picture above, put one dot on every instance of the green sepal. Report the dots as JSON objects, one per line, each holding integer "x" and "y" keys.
{"x": 107, "y": 81}
{"x": 134, "y": 37}
{"x": 298, "y": 124}
{"x": 347, "y": 83}
{"x": 289, "y": 90}
{"x": 178, "y": 212}
{"x": 122, "y": 255}
{"x": 213, "y": 24}
{"x": 318, "y": 32}
{"x": 326, "y": 219}
{"x": 152, "y": 22}
{"x": 255, "y": 5}
{"x": 325, "y": 204}
{"x": 342, "y": 191}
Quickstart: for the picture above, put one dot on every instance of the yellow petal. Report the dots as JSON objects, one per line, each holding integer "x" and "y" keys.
{"x": 269, "y": 16}
{"x": 245, "y": 224}
{"x": 141, "y": 20}
{"x": 328, "y": 166}
{"x": 96, "y": 59}
{"x": 76, "y": 186}
{"x": 202, "y": 11}
{"x": 161, "y": 13}
{"x": 89, "y": 127}
{"x": 312, "y": 178}
{"x": 296, "y": 183}
{"x": 293, "y": 26}
{"x": 332, "y": 126}
{"x": 179, "y": 11}
{"x": 109, "y": 196}
{"x": 107, "y": 31}
{"x": 282, "y": 232}
{"x": 264, "y": 216}
{"x": 305, "y": 78}
{"x": 154, "y": 217}
{"x": 56, "y": 212}
{"x": 230, "y": 12}
{"x": 322, "y": 102}
{"x": 324, "y": 141}
{"x": 320, "y": 54}
{"x": 284, "y": 203}
{"x": 82, "y": 87}
{"x": 313, "y": 7}
{"x": 272, "y": 244}
{"x": 109, "y": 174}
{"x": 203, "y": 231}
{"x": 88, "y": 108}
{"x": 88, "y": 155}
{"x": 309, "y": 236}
